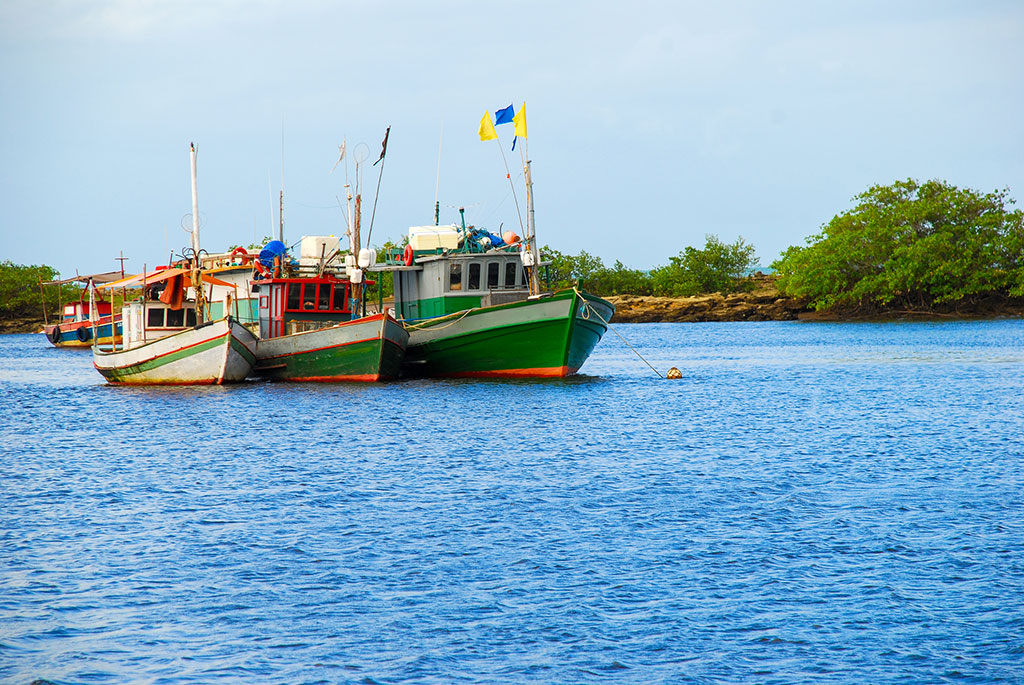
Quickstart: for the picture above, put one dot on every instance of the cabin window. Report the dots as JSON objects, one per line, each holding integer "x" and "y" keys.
{"x": 190, "y": 317}
{"x": 309, "y": 296}
{"x": 510, "y": 274}
{"x": 339, "y": 297}
{"x": 455, "y": 276}
{"x": 175, "y": 318}
{"x": 155, "y": 318}
{"x": 323, "y": 298}
{"x": 473, "y": 281}
{"x": 492, "y": 274}
{"x": 294, "y": 295}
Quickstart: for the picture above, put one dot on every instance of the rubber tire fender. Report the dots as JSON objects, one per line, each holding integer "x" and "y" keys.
{"x": 83, "y": 334}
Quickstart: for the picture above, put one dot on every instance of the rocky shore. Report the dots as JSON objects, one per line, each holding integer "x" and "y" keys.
{"x": 29, "y": 324}
{"x": 763, "y": 303}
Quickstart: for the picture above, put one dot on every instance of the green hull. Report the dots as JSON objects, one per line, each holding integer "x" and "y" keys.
{"x": 367, "y": 350}
{"x": 546, "y": 337}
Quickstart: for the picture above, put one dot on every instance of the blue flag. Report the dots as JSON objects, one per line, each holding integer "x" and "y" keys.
{"x": 504, "y": 116}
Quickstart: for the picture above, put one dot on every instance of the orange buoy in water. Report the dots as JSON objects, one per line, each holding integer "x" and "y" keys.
{"x": 674, "y": 373}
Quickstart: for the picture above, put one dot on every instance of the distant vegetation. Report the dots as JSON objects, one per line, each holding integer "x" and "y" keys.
{"x": 718, "y": 267}
{"x": 910, "y": 246}
{"x": 20, "y": 295}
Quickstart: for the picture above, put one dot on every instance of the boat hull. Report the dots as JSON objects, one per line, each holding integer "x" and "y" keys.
{"x": 539, "y": 338}
{"x": 221, "y": 351}
{"x": 71, "y": 334}
{"x": 369, "y": 349}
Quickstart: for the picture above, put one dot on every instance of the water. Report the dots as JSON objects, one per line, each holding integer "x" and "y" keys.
{"x": 809, "y": 503}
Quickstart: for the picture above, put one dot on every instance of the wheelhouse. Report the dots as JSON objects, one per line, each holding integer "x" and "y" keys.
{"x": 293, "y": 305}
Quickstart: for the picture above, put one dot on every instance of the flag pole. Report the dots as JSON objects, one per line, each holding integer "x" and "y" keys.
{"x": 380, "y": 174}
{"x": 508, "y": 175}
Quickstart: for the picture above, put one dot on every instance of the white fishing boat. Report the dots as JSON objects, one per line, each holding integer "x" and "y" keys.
{"x": 211, "y": 353}
{"x": 171, "y": 340}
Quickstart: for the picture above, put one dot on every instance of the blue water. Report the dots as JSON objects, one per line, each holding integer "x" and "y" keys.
{"x": 809, "y": 503}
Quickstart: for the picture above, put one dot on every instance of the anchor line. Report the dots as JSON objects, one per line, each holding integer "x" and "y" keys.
{"x": 587, "y": 307}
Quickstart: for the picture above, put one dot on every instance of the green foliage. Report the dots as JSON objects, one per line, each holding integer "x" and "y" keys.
{"x": 719, "y": 267}
{"x": 253, "y": 246}
{"x": 910, "y": 245}
{"x": 385, "y": 279}
{"x": 619, "y": 280}
{"x": 20, "y": 294}
{"x": 566, "y": 270}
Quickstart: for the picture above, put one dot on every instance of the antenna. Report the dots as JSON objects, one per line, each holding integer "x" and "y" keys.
{"x": 270, "y": 201}
{"x": 437, "y": 186}
{"x": 280, "y": 229}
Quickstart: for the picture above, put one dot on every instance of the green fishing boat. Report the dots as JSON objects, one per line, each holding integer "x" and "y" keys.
{"x": 472, "y": 302}
{"x": 466, "y": 298}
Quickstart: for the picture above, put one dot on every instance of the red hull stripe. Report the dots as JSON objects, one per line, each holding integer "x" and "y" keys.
{"x": 539, "y": 372}
{"x": 209, "y": 382}
{"x": 363, "y": 378}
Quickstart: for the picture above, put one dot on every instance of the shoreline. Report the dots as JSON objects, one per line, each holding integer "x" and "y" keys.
{"x": 766, "y": 304}
{"x": 762, "y": 304}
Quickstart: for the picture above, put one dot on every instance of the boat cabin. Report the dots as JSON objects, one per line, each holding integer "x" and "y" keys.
{"x": 79, "y": 311}
{"x": 293, "y": 305}
{"x": 443, "y": 284}
{"x": 151, "y": 320}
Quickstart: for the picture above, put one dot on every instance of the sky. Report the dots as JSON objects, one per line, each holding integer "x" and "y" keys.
{"x": 650, "y": 124}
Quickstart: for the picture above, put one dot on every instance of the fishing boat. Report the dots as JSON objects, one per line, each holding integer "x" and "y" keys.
{"x": 472, "y": 302}
{"x": 308, "y": 333}
{"x": 77, "y": 327}
{"x": 469, "y": 310}
{"x": 171, "y": 339}
{"x": 313, "y": 318}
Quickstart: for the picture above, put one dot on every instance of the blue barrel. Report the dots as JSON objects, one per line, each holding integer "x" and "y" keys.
{"x": 275, "y": 248}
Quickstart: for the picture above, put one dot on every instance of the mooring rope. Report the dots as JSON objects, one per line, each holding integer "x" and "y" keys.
{"x": 427, "y": 324}
{"x": 589, "y": 307}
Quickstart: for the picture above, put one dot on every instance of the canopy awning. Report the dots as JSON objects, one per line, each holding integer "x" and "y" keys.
{"x": 137, "y": 279}
{"x": 162, "y": 275}
{"x": 95, "y": 278}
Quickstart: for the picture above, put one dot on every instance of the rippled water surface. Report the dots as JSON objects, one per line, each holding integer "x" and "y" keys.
{"x": 809, "y": 503}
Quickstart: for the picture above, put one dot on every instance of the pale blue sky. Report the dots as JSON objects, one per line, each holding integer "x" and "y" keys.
{"x": 651, "y": 123}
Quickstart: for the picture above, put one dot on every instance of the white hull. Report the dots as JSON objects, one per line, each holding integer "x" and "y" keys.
{"x": 222, "y": 351}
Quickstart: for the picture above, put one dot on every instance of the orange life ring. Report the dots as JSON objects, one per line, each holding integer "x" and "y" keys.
{"x": 246, "y": 257}
{"x": 260, "y": 270}
{"x": 408, "y": 255}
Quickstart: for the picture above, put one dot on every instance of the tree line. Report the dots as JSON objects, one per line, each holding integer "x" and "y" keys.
{"x": 717, "y": 267}
{"x": 907, "y": 245}
{"x": 21, "y": 296}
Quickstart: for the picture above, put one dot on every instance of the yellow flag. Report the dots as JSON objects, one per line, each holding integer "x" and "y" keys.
{"x": 520, "y": 121}
{"x": 487, "y": 131}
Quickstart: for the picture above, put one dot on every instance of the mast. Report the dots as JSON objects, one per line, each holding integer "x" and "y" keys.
{"x": 531, "y": 232}
{"x": 195, "y": 202}
{"x": 196, "y": 283}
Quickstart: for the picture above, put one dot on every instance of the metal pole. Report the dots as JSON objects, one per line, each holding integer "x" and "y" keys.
{"x": 42, "y": 296}
{"x": 195, "y": 275}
